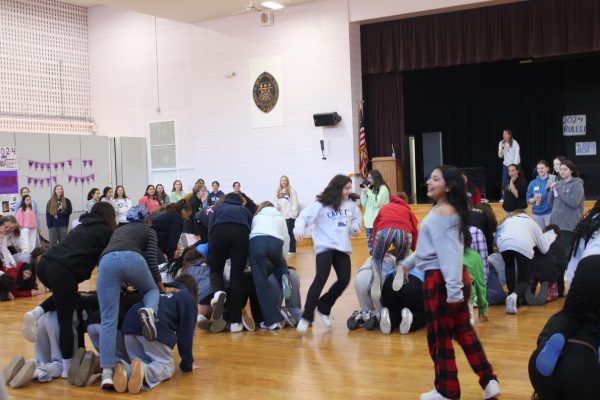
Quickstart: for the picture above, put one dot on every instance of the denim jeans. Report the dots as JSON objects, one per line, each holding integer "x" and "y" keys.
{"x": 266, "y": 256}
{"x": 114, "y": 268}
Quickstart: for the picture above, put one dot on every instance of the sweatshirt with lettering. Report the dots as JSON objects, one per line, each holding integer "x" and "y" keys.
{"x": 332, "y": 227}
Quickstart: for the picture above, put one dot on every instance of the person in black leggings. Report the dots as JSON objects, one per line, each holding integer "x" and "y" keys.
{"x": 69, "y": 263}
{"x": 229, "y": 238}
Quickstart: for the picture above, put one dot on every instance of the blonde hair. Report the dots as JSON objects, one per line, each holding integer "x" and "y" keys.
{"x": 53, "y": 202}
{"x": 197, "y": 187}
{"x": 262, "y": 205}
{"x": 288, "y": 189}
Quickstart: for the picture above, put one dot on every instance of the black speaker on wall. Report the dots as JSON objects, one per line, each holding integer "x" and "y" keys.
{"x": 327, "y": 119}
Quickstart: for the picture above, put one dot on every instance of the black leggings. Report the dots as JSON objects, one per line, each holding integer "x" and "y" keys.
{"x": 409, "y": 296}
{"x": 229, "y": 241}
{"x": 6, "y": 283}
{"x": 575, "y": 376}
{"x": 522, "y": 282}
{"x": 341, "y": 264}
{"x": 290, "y": 222}
{"x": 63, "y": 284}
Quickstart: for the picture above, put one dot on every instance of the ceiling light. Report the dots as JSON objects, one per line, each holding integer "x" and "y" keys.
{"x": 272, "y": 5}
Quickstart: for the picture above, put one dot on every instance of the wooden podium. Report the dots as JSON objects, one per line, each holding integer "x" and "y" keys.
{"x": 391, "y": 170}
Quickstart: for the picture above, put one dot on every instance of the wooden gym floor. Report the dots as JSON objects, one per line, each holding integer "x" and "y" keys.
{"x": 324, "y": 364}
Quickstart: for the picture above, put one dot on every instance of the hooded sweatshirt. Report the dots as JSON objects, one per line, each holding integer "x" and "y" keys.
{"x": 175, "y": 323}
{"x": 231, "y": 211}
{"x": 287, "y": 204}
{"x": 373, "y": 202}
{"x": 269, "y": 222}
{"x": 566, "y": 200}
{"x": 332, "y": 227}
{"x": 520, "y": 233}
{"x": 81, "y": 249}
{"x": 398, "y": 215}
{"x": 538, "y": 186}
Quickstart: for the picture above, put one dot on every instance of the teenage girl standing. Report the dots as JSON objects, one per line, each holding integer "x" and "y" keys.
{"x": 447, "y": 286}
{"x": 149, "y": 199}
{"x": 286, "y": 202}
{"x": 58, "y": 211}
{"x": 374, "y": 195}
{"x": 335, "y": 216}
{"x": 26, "y": 219}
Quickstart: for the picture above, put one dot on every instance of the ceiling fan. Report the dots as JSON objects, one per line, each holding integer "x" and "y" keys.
{"x": 252, "y": 8}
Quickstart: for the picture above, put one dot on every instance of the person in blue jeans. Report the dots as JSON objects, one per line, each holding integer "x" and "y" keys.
{"x": 269, "y": 243}
{"x": 131, "y": 256}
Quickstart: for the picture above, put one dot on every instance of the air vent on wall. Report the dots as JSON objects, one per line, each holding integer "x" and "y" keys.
{"x": 266, "y": 18}
{"x": 162, "y": 145}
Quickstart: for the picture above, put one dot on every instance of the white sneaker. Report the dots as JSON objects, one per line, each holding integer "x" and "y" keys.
{"x": 326, "y": 319}
{"x": 236, "y": 327}
{"x": 29, "y": 326}
{"x": 511, "y": 304}
{"x": 407, "y": 319}
{"x": 433, "y": 395}
{"x": 302, "y": 325}
{"x": 272, "y": 327}
{"x": 385, "y": 325}
{"x": 492, "y": 389}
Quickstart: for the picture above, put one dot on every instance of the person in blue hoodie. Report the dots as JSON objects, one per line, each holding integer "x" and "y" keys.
{"x": 152, "y": 362}
{"x": 216, "y": 194}
{"x": 537, "y": 195}
{"x": 228, "y": 237}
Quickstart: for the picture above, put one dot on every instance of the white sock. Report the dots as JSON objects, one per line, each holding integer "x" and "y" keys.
{"x": 107, "y": 371}
{"x": 66, "y": 362}
{"x": 38, "y": 312}
{"x": 201, "y": 317}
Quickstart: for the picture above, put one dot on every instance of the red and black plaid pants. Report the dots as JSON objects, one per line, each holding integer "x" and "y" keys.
{"x": 447, "y": 321}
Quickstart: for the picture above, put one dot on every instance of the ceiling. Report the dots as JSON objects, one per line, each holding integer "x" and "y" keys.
{"x": 182, "y": 10}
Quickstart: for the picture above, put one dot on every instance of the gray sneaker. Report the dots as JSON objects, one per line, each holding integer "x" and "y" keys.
{"x": 289, "y": 318}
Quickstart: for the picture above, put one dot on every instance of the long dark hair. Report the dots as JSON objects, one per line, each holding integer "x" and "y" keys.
{"x": 190, "y": 283}
{"x": 105, "y": 192}
{"x": 378, "y": 180}
{"x": 157, "y": 198}
{"x": 179, "y": 206}
{"x": 585, "y": 229}
{"x": 23, "y": 205}
{"x": 456, "y": 196}
{"x": 332, "y": 195}
{"x": 106, "y": 211}
{"x": 91, "y": 193}
{"x": 510, "y": 139}
{"x": 571, "y": 165}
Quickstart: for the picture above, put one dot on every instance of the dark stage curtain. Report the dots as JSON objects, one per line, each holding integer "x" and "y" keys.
{"x": 535, "y": 28}
{"x": 384, "y": 115}
{"x": 471, "y": 105}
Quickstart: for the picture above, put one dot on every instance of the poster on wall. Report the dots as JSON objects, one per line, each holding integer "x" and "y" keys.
{"x": 9, "y": 182}
{"x": 585, "y": 148}
{"x": 9, "y": 189}
{"x": 266, "y": 106}
{"x": 574, "y": 125}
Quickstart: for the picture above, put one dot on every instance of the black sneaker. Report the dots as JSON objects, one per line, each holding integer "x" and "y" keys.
{"x": 148, "y": 327}
{"x": 289, "y": 318}
{"x": 355, "y": 320}
{"x": 370, "y": 321}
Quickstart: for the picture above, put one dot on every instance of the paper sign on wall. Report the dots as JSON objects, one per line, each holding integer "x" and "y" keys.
{"x": 585, "y": 148}
{"x": 574, "y": 125}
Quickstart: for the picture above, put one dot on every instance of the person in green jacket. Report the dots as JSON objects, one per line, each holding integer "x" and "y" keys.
{"x": 474, "y": 264}
{"x": 375, "y": 194}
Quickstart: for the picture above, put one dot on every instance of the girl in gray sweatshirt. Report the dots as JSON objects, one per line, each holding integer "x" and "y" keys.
{"x": 335, "y": 216}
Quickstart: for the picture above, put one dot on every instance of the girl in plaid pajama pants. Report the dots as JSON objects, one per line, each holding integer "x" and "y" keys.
{"x": 446, "y": 288}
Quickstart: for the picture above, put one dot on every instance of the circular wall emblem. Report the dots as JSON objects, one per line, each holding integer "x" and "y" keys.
{"x": 265, "y": 92}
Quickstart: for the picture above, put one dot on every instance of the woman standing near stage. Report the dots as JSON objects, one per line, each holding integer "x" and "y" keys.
{"x": 374, "y": 195}
{"x": 566, "y": 198}
{"x": 447, "y": 286}
{"x": 509, "y": 152}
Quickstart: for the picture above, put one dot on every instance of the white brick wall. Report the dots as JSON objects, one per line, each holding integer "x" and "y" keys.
{"x": 212, "y": 112}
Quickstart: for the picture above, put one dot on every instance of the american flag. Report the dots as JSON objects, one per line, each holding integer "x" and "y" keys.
{"x": 363, "y": 155}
